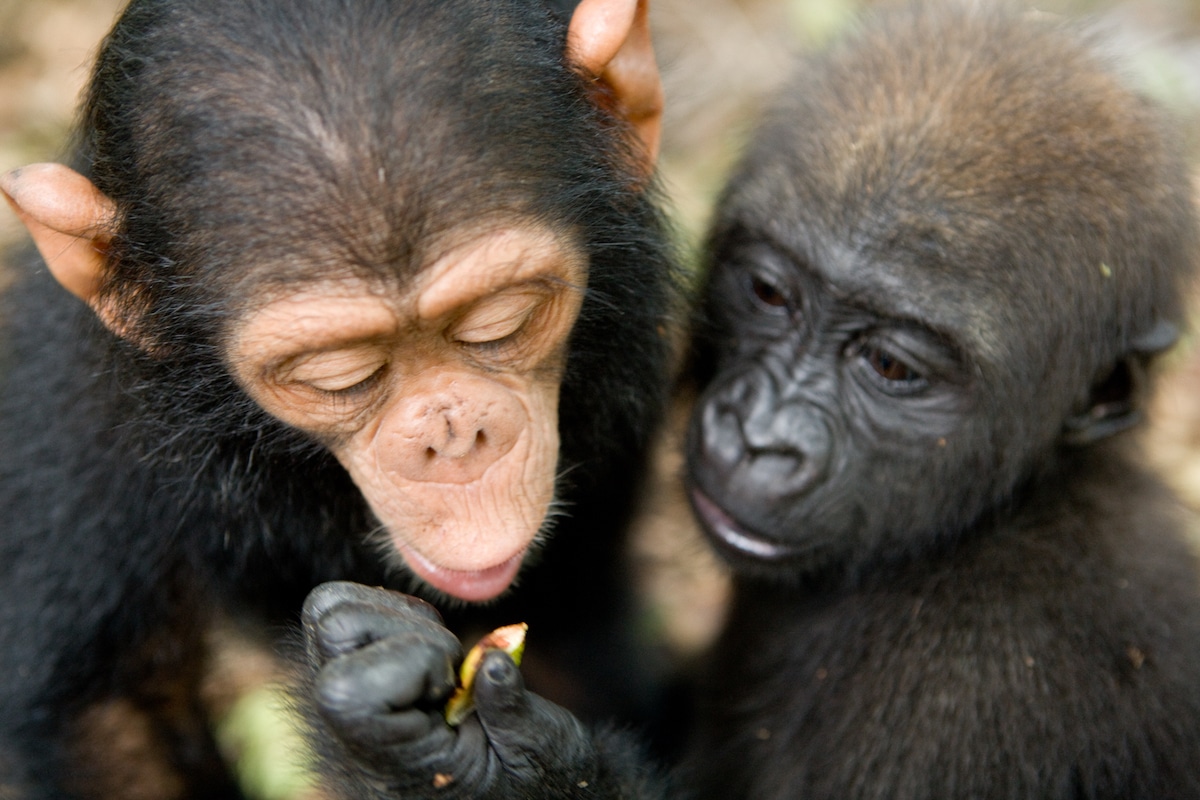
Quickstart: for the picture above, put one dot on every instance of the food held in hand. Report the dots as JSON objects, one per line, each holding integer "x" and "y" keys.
{"x": 510, "y": 639}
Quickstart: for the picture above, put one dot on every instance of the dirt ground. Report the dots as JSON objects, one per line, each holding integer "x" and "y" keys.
{"x": 718, "y": 57}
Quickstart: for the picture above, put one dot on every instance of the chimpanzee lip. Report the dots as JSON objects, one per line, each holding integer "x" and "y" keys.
{"x": 473, "y": 586}
{"x": 728, "y": 532}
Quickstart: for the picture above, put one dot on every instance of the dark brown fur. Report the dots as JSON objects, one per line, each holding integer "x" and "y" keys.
{"x": 973, "y": 587}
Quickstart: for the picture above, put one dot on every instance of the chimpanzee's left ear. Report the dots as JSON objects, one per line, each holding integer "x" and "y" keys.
{"x": 1113, "y": 406}
{"x": 610, "y": 40}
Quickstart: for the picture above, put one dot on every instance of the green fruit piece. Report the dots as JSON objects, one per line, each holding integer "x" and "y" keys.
{"x": 510, "y": 639}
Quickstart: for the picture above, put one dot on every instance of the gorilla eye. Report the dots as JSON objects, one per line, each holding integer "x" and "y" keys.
{"x": 766, "y": 293}
{"x": 889, "y": 367}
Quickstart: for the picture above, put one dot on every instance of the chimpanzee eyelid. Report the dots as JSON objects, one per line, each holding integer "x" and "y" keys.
{"x": 331, "y": 372}
{"x": 489, "y": 331}
{"x": 353, "y": 388}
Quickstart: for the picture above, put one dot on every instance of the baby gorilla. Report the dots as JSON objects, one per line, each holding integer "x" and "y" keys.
{"x": 937, "y": 281}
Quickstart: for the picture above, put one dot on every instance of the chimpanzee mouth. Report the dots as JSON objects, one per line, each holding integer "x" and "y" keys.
{"x": 726, "y": 531}
{"x": 475, "y": 586}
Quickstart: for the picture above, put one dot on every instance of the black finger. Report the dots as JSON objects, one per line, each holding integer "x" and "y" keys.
{"x": 499, "y": 686}
{"x": 387, "y": 676}
{"x": 326, "y": 596}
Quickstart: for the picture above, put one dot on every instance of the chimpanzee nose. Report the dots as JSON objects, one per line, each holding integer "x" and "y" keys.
{"x": 449, "y": 429}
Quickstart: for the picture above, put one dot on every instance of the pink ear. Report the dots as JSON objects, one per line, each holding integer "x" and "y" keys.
{"x": 610, "y": 40}
{"x": 69, "y": 220}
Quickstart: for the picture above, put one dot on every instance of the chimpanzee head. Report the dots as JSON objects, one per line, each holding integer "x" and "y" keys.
{"x": 389, "y": 229}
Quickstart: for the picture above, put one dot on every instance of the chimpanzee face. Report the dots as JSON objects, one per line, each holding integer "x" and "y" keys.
{"x": 440, "y": 400}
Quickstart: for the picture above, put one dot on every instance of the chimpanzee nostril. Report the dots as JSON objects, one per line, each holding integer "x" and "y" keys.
{"x": 450, "y": 434}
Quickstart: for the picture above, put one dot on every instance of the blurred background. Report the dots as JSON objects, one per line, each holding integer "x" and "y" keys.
{"x": 719, "y": 58}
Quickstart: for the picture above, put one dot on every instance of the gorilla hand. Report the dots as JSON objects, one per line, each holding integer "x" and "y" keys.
{"x": 383, "y": 667}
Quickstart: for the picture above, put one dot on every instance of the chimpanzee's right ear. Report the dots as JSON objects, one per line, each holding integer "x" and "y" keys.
{"x": 70, "y": 221}
{"x": 610, "y": 41}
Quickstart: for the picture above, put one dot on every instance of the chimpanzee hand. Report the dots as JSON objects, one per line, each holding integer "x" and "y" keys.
{"x": 384, "y": 667}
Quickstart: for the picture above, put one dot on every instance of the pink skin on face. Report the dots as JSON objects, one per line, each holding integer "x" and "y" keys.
{"x": 441, "y": 402}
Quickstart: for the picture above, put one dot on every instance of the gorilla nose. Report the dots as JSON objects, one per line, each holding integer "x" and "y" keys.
{"x": 786, "y": 472}
{"x": 789, "y": 450}
{"x": 450, "y": 433}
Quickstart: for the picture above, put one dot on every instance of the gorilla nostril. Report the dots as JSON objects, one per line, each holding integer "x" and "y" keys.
{"x": 776, "y": 465}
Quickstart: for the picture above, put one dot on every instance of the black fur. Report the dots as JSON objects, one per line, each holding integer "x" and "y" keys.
{"x": 938, "y": 279}
{"x": 142, "y": 491}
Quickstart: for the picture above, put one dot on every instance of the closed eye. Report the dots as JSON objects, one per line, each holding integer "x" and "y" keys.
{"x": 498, "y": 318}
{"x": 350, "y": 384}
{"x": 335, "y": 372}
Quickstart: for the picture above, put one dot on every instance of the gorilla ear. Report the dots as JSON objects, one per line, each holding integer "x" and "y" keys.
{"x": 1110, "y": 408}
{"x": 610, "y": 41}
{"x": 1159, "y": 339}
{"x": 1112, "y": 403}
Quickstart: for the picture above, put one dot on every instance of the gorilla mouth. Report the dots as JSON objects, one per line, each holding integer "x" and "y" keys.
{"x": 726, "y": 531}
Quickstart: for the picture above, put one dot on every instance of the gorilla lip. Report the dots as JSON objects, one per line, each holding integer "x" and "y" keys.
{"x": 474, "y": 586}
{"x": 728, "y": 532}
